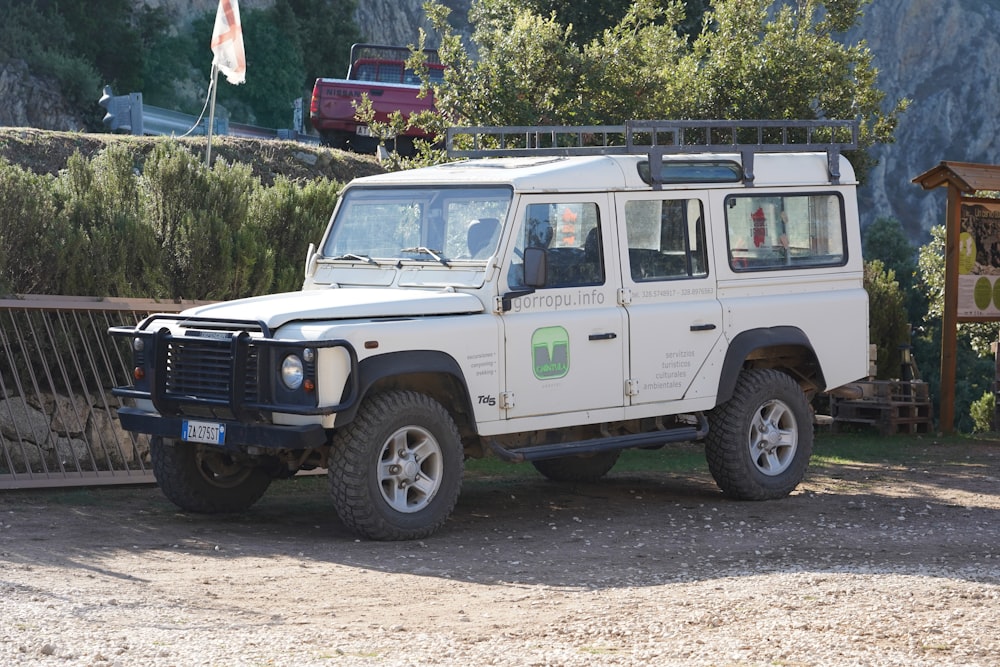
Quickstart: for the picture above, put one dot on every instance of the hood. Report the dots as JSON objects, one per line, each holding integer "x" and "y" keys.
{"x": 274, "y": 310}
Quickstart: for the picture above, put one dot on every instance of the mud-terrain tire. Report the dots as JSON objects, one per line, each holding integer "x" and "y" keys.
{"x": 203, "y": 479}
{"x": 396, "y": 470}
{"x": 584, "y": 468}
{"x": 760, "y": 440}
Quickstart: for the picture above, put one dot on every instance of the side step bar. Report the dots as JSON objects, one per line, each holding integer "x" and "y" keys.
{"x": 540, "y": 452}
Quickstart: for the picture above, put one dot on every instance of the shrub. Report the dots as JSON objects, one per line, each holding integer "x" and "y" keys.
{"x": 176, "y": 230}
{"x": 197, "y": 215}
{"x": 101, "y": 201}
{"x": 33, "y": 237}
{"x": 287, "y": 218}
{"x": 982, "y": 413}
{"x": 887, "y": 324}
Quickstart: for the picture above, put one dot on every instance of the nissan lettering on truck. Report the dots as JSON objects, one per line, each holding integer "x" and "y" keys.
{"x": 553, "y": 295}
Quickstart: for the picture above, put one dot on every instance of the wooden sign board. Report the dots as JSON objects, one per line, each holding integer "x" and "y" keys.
{"x": 979, "y": 260}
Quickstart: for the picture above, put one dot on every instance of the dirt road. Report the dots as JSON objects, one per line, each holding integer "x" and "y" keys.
{"x": 865, "y": 564}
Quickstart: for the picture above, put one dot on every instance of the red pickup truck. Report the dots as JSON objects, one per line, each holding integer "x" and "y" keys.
{"x": 380, "y": 72}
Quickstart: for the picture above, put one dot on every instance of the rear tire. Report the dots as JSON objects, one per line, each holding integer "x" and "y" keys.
{"x": 760, "y": 440}
{"x": 584, "y": 468}
{"x": 203, "y": 479}
{"x": 335, "y": 139}
{"x": 396, "y": 470}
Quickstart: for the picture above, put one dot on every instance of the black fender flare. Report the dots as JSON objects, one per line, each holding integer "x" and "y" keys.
{"x": 379, "y": 367}
{"x": 746, "y": 342}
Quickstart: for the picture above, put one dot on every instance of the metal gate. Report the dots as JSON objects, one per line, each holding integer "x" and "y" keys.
{"x": 58, "y": 419}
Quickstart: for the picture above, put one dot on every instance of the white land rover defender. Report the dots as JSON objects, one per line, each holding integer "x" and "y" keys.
{"x": 563, "y": 295}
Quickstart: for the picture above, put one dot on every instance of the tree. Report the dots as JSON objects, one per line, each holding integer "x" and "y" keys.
{"x": 885, "y": 240}
{"x": 275, "y": 68}
{"x": 588, "y": 19}
{"x": 747, "y": 62}
{"x": 888, "y": 327}
{"x": 326, "y": 36}
{"x": 107, "y": 38}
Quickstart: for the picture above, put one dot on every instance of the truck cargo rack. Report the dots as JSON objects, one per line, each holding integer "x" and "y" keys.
{"x": 656, "y": 138}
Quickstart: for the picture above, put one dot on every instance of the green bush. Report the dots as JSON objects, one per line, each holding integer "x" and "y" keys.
{"x": 32, "y": 237}
{"x": 101, "y": 201}
{"x": 289, "y": 218}
{"x": 166, "y": 228}
{"x": 887, "y": 324}
{"x": 982, "y": 413}
{"x": 197, "y": 216}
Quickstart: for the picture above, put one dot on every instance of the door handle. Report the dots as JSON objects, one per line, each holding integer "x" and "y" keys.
{"x": 603, "y": 336}
{"x": 702, "y": 327}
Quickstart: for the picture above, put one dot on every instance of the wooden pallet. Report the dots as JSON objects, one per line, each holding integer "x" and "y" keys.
{"x": 891, "y": 406}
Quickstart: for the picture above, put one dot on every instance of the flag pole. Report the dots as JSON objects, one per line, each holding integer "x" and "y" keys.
{"x": 211, "y": 116}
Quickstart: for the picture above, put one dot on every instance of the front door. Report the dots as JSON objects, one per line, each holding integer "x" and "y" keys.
{"x": 565, "y": 342}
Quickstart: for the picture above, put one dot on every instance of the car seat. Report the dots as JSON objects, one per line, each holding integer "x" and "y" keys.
{"x": 482, "y": 237}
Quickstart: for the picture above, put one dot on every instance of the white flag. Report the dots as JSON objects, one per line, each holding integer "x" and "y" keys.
{"x": 227, "y": 42}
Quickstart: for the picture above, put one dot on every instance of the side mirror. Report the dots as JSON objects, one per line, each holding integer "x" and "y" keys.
{"x": 535, "y": 267}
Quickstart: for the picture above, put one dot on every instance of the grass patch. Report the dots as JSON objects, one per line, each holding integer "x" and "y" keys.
{"x": 840, "y": 449}
{"x": 830, "y": 450}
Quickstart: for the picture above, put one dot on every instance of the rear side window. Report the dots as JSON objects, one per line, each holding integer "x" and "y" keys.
{"x": 770, "y": 232}
{"x": 666, "y": 239}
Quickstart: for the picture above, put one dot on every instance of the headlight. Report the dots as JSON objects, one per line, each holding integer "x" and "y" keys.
{"x": 292, "y": 373}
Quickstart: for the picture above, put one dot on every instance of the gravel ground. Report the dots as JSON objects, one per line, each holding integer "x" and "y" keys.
{"x": 867, "y": 564}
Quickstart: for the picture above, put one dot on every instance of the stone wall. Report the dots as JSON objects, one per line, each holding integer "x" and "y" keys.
{"x": 58, "y": 418}
{"x": 55, "y": 434}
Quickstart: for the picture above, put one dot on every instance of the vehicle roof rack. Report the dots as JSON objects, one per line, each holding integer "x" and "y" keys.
{"x": 656, "y": 138}
{"x": 364, "y": 50}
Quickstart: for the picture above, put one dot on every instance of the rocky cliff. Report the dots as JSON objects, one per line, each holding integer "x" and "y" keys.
{"x": 945, "y": 57}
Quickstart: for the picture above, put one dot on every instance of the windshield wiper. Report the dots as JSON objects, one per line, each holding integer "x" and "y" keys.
{"x": 427, "y": 251}
{"x": 360, "y": 258}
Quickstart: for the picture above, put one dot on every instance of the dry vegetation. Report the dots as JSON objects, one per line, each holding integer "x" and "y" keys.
{"x": 46, "y": 152}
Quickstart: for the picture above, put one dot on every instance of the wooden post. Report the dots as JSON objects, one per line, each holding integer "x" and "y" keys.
{"x": 949, "y": 319}
{"x": 995, "y": 349}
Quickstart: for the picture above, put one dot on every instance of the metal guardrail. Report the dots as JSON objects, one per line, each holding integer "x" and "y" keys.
{"x": 58, "y": 419}
{"x": 165, "y": 122}
{"x": 129, "y": 112}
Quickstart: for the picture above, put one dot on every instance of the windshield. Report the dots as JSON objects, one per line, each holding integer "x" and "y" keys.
{"x": 421, "y": 224}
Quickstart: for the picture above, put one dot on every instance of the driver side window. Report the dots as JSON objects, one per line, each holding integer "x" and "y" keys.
{"x": 570, "y": 234}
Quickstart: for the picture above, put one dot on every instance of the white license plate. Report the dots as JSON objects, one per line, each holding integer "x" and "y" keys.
{"x": 364, "y": 131}
{"x": 210, "y": 432}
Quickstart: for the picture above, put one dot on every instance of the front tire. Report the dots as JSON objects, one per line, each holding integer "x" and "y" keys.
{"x": 204, "y": 479}
{"x": 759, "y": 441}
{"x": 396, "y": 470}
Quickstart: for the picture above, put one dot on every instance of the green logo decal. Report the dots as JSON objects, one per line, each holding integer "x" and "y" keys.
{"x": 550, "y": 353}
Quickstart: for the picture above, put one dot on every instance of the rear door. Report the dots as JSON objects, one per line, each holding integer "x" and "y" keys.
{"x": 674, "y": 317}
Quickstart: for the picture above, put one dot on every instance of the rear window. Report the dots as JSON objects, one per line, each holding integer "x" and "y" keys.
{"x": 772, "y": 232}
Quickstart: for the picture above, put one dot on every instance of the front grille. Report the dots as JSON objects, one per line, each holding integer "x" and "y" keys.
{"x": 202, "y": 370}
